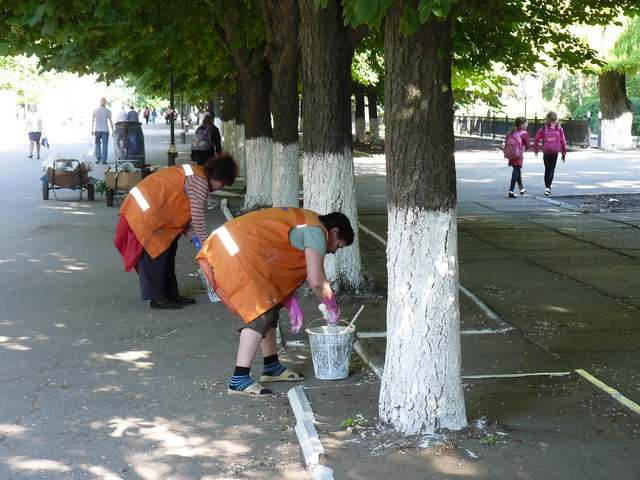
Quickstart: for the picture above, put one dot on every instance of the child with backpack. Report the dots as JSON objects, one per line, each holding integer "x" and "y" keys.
{"x": 516, "y": 143}
{"x": 206, "y": 142}
{"x": 553, "y": 143}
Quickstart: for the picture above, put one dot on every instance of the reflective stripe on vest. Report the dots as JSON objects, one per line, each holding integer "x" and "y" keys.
{"x": 187, "y": 169}
{"x": 227, "y": 241}
{"x": 142, "y": 202}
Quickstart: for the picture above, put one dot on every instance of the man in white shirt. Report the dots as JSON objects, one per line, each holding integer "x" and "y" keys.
{"x": 100, "y": 129}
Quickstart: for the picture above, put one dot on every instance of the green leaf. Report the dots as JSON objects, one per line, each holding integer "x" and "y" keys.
{"x": 364, "y": 10}
{"x": 101, "y": 10}
{"x": 49, "y": 27}
{"x": 410, "y": 20}
{"x": 441, "y": 8}
{"x": 425, "y": 9}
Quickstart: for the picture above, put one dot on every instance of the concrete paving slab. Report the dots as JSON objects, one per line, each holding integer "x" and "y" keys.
{"x": 613, "y": 238}
{"x": 557, "y": 260}
{"x": 626, "y": 341}
{"x": 554, "y": 323}
{"x": 619, "y": 281}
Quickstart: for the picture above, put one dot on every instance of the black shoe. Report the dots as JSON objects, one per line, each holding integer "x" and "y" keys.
{"x": 511, "y": 195}
{"x": 165, "y": 305}
{"x": 182, "y": 300}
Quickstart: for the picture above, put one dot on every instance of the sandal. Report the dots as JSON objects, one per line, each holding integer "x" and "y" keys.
{"x": 253, "y": 390}
{"x": 286, "y": 376}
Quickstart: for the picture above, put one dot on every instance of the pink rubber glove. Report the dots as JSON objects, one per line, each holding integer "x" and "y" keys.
{"x": 334, "y": 312}
{"x": 295, "y": 312}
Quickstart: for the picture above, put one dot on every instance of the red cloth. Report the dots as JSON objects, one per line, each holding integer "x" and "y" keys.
{"x": 127, "y": 244}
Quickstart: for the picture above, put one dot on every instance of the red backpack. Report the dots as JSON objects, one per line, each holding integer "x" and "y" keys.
{"x": 551, "y": 139}
{"x": 513, "y": 147}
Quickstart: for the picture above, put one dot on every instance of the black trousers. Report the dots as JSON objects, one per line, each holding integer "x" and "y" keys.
{"x": 158, "y": 275}
{"x": 550, "y": 160}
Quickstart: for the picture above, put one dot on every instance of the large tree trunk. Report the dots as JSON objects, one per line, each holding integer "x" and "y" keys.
{"x": 374, "y": 127}
{"x": 617, "y": 111}
{"x": 421, "y": 389}
{"x": 281, "y": 19}
{"x": 258, "y": 135}
{"x": 329, "y": 183}
{"x": 233, "y": 124}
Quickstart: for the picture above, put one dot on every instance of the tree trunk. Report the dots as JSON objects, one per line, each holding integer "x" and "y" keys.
{"x": 233, "y": 125}
{"x": 329, "y": 183}
{"x": 258, "y": 136}
{"x": 374, "y": 127}
{"x": 359, "y": 119}
{"x": 421, "y": 389}
{"x": 281, "y": 19}
{"x": 617, "y": 111}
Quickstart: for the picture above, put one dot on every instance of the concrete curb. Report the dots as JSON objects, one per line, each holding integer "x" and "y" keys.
{"x": 616, "y": 395}
{"x": 307, "y": 435}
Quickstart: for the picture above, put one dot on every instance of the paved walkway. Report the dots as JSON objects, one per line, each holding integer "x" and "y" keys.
{"x": 97, "y": 385}
{"x": 566, "y": 281}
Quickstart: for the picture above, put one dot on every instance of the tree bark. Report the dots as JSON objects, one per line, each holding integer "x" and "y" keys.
{"x": 282, "y": 20}
{"x": 421, "y": 389}
{"x": 374, "y": 126}
{"x": 328, "y": 174}
{"x": 258, "y": 135}
{"x": 617, "y": 111}
{"x": 359, "y": 118}
{"x": 233, "y": 123}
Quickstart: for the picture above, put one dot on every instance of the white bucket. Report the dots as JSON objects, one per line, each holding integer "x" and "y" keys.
{"x": 331, "y": 352}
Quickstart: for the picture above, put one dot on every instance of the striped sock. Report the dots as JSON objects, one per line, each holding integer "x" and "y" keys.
{"x": 240, "y": 382}
{"x": 272, "y": 366}
{"x": 241, "y": 379}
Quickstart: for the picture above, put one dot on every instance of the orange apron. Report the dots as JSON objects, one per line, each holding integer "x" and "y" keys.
{"x": 251, "y": 263}
{"x": 158, "y": 209}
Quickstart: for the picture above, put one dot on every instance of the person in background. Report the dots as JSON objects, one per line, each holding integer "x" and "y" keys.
{"x": 553, "y": 143}
{"x": 122, "y": 115}
{"x": 100, "y": 129}
{"x": 156, "y": 212}
{"x": 199, "y": 157}
{"x": 146, "y": 114}
{"x": 132, "y": 115}
{"x": 154, "y": 115}
{"x": 520, "y": 129}
{"x": 255, "y": 263}
{"x": 34, "y": 127}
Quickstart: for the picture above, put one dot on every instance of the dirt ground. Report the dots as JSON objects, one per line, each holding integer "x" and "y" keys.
{"x": 548, "y": 428}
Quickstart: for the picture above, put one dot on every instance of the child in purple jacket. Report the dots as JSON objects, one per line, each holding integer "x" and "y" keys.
{"x": 553, "y": 143}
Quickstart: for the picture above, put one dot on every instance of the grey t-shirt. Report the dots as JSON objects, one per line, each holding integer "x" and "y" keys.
{"x": 102, "y": 114}
{"x": 312, "y": 236}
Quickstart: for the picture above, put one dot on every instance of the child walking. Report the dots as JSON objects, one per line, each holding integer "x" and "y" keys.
{"x": 553, "y": 143}
{"x": 520, "y": 130}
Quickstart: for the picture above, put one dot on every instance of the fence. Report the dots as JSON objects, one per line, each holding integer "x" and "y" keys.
{"x": 576, "y": 132}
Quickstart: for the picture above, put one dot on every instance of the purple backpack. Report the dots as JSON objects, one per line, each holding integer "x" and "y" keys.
{"x": 513, "y": 147}
{"x": 551, "y": 139}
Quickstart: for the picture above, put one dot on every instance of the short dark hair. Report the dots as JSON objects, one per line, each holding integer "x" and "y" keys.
{"x": 341, "y": 222}
{"x": 221, "y": 167}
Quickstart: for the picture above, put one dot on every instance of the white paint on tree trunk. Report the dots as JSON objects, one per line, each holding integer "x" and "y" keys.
{"x": 234, "y": 144}
{"x": 616, "y": 133}
{"x": 360, "y": 129}
{"x": 374, "y": 131}
{"x": 421, "y": 391}
{"x": 286, "y": 175}
{"x": 259, "y": 152}
{"x": 329, "y": 186}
